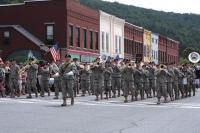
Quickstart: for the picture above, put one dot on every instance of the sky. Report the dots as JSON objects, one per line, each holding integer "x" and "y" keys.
{"x": 178, "y": 6}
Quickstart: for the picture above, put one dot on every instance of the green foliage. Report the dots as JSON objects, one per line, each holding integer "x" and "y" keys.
{"x": 183, "y": 61}
{"x": 182, "y": 27}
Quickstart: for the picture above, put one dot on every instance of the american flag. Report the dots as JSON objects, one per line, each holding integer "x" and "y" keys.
{"x": 55, "y": 52}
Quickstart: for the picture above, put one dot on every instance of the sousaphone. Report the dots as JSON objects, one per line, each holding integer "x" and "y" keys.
{"x": 194, "y": 57}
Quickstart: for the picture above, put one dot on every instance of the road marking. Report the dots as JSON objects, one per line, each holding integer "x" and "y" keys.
{"x": 109, "y": 103}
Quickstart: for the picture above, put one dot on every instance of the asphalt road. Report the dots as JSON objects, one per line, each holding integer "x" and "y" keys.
{"x": 44, "y": 115}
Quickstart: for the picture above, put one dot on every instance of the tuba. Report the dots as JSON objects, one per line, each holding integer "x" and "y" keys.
{"x": 194, "y": 57}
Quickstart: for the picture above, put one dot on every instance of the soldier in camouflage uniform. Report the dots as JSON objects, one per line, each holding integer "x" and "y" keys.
{"x": 13, "y": 79}
{"x": 152, "y": 80}
{"x": 146, "y": 80}
{"x": 76, "y": 77}
{"x": 180, "y": 82}
{"x": 116, "y": 78}
{"x": 108, "y": 79}
{"x": 177, "y": 75}
{"x": 67, "y": 71}
{"x": 45, "y": 75}
{"x": 138, "y": 76}
{"x": 54, "y": 70}
{"x": 98, "y": 71}
{"x": 128, "y": 76}
{"x": 191, "y": 82}
{"x": 32, "y": 79}
{"x": 2, "y": 79}
{"x": 85, "y": 75}
{"x": 170, "y": 80}
{"x": 185, "y": 80}
{"x": 162, "y": 83}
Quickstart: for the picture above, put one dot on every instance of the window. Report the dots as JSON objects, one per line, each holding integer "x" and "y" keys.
{"x": 144, "y": 50}
{"x": 107, "y": 41}
{"x": 6, "y": 36}
{"x": 71, "y": 35}
{"x": 91, "y": 40}
{"x": 50, "y": 34}
{"x": 85, "y": 38}
{"x": 152, "y": 40}
{"x": 97, "y": 41}
{"x": 78, "y": 37}
{"x": 120, "y": 44}
{"x": 102, "y": 37}
{"x": 116, "y": 50}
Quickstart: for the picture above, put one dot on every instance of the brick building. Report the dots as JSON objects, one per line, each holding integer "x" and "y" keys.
{"x": 168, "y": 50}
{"x": 41, "y": 24}
{"x": 133, "y": 41}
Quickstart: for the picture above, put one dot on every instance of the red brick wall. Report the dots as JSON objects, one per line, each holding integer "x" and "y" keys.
{"x": 83, "y": 18}
{"x": 133, "y": 43}
{"x": 168, "y": 50}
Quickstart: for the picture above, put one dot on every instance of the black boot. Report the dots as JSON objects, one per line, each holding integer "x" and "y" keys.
{"x": 64, "y": 103}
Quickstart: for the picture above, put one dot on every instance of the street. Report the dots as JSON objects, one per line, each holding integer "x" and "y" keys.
{"x": 45, "y": 115}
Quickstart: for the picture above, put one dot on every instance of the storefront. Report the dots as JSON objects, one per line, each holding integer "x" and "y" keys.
{"x": 83, "y": 56}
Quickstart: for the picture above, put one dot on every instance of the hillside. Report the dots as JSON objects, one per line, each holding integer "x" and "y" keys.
{"x": 182, "y": 27}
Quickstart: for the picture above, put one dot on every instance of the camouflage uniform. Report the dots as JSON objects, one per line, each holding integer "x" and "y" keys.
{"x": 180, "y": 83}
{"x": 177, "y": 75}
{"x": 170, "y": 80}
{"x": 191, "y": 82}
{"x": 2, "y": 81}
{"x": 54, "y": 69}
{"x": 98, "y": 72}
{"x": 85, "y": 81}
{"x": 128, "y": 73}
{"x": 116, "y": 80}
{"x": 45, "y": 75}
{"x": 139, "y": 83}
{"x": 146, "y": 82}
{"x": 32, "y": 80}
{"x": 152, "y": 81}
{"x": 67, "y": 71}
{"x": 108, "y": 81}
{"x": 13, "y": 79}
{"x": 76, "y": 80}
{"x": 186, "y": 83}
{"x": 162, "y": 84}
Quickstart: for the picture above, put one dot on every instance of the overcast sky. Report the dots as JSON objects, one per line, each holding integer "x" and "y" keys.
{"x": 178, "y": 6}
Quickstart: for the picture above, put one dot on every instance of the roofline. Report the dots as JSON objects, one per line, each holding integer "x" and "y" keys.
{"x": 18, "y": 4}
{"x": 169, "y": 39}
{"x": 134, "y": 25}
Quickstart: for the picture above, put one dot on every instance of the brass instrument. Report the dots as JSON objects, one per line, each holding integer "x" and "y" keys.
{"x": 194, "y": 57}
{"x": 27, "y": 66}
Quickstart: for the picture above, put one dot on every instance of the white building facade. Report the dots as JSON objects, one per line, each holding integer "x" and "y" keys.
{"x": 154, "y": 42}
{"x": 111, "y": 36}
